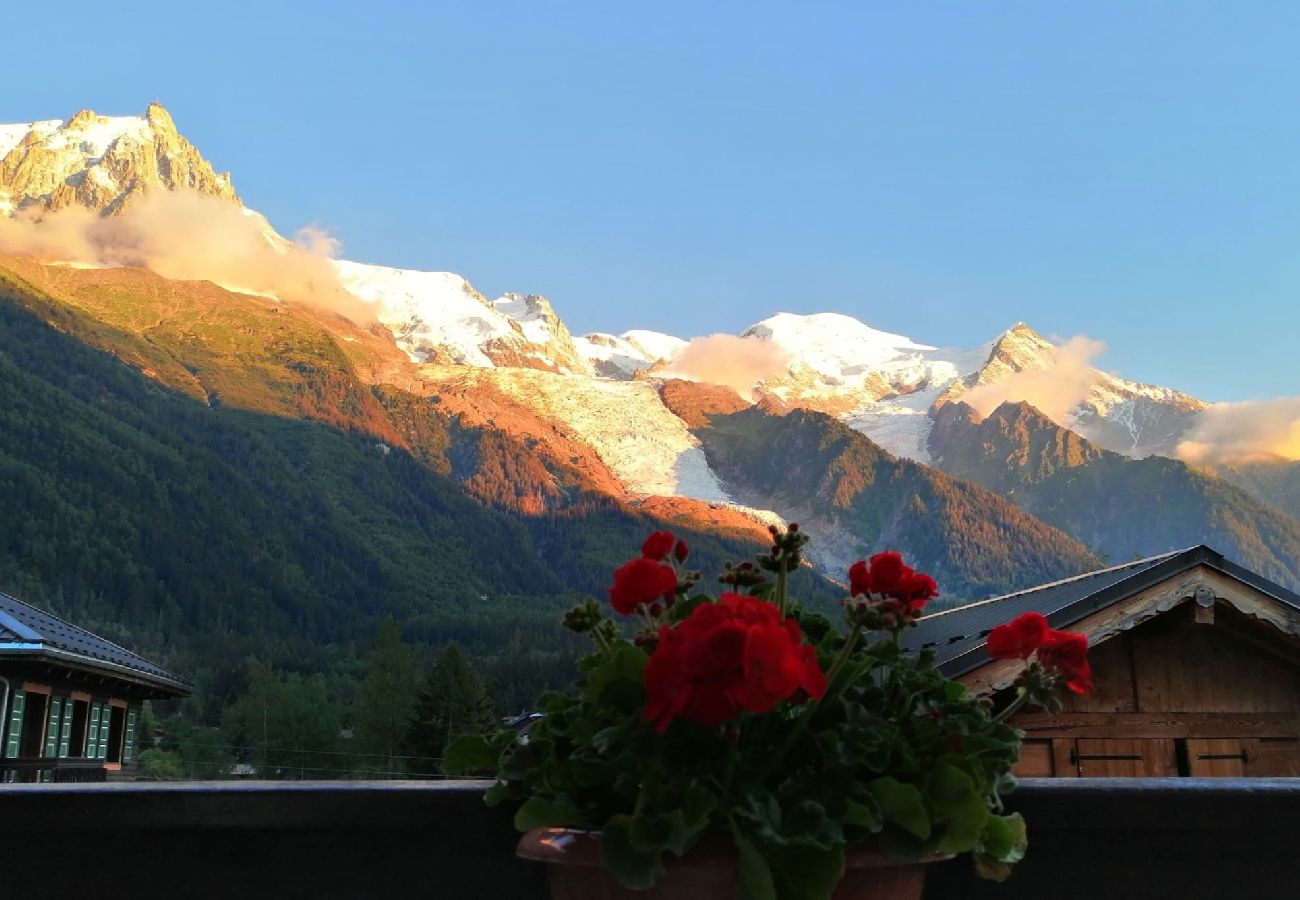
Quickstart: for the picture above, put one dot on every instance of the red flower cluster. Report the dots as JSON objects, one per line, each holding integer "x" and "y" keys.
{"x": 889, "y": 577}
{"x": 1063, "y": 652}
{"x": 662, "y": 543}
{"x": 648, "y": 580}
{"x": 726, "y": 657}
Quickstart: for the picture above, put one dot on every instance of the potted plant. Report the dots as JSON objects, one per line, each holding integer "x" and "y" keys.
{"x": 739, "y": 745}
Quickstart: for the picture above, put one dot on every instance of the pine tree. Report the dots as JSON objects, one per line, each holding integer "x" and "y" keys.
{"x": 452, "y": 700}
{"x": 382, "y": 715}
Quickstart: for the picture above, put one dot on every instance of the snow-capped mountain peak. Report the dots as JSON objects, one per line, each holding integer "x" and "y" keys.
{"x": 832, "y": 343}
{"x": 101, "y": 163}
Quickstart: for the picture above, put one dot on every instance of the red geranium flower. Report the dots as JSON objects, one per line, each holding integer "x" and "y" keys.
{"x": 681, "y": 551}
{"x": 658, "y": 546}
{"x": 888, "y": 576}
{"x": 726, "y": 657}
{"x": 1066, "y": 654}
{"x": 642, "y": 581}
{"x": 1019, "y": 638}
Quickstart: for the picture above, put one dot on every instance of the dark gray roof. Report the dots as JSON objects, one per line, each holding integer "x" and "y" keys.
{"x": 28, "y": 631}
{"x": 957, "y": 636}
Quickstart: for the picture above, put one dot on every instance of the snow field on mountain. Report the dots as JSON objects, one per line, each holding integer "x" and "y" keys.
{"x": 901, "y": 425}
{"x": 648, "y": 449}
{"x": 428, "y": 311}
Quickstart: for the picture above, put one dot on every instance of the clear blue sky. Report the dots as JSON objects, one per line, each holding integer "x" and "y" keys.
{"x": 1126, "y": 170}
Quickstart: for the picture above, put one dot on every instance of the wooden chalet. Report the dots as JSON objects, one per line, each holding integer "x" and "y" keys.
{"x": 1196, "y": 662}
{"x": 70, "y": 700}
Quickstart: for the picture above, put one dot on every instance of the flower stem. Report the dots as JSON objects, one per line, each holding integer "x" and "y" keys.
{"x": 781, "y": 577}
{"x": 850, "y": 643}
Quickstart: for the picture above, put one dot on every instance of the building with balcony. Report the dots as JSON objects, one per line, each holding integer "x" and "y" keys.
{"x": 70, "y": 701}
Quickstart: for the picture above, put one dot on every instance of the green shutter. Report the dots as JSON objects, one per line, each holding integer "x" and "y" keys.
{"x": 52, "y": 730}
{"x": 15, "y": 724}
{"x": 65, "y": 732}
{"x": 92, "y": 732}
{"x": 105, "y": 720}
{"x": 128, "y": 745}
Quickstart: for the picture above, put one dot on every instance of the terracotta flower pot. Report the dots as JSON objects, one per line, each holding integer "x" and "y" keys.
{"x": 709, "y": 872}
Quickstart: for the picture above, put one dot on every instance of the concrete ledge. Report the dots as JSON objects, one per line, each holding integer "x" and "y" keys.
{"x": 1104, "y": 838}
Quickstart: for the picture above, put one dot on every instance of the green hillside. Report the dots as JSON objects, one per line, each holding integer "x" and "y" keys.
{"x": 202, "y": 533}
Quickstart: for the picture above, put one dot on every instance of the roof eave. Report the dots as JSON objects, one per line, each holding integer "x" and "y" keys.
{"x": 968, "y": 660}
{"x": 174, "y": 687}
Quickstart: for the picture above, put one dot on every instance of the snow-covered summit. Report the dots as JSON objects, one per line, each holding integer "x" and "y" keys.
{"x": 839, "y": 364}
{"x": 101, "y": 163}
{"x": 831, "y": 343}
{"x": 438, "y": 317}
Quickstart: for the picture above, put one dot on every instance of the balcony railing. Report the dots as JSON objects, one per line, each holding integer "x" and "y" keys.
{"x": 57, "y": 770}
{"x": 1114, "y": 839}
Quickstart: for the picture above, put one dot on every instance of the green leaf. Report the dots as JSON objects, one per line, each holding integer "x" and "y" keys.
{"x": 901, "y": 805}
{"x": 806, "y": 823}
{"x": 542, "y": 813}
{"x": 470, "y": 754}
{"x": 683, "y": 608}
{"x": 958, "y": 806}
{"x": 864, "y": 815}
{"x": 616, "y": 681}
{"x": 698, "y": 804}
{"x": 630, "y": 867}
{"x": 755, "y": 877}
{"x": 1004, "y": 838}
{"x": 655, "y": 833}
{"x": 608, "y": 739}
{"x": 805, "y": 873}
{"x": 497, "y": 793}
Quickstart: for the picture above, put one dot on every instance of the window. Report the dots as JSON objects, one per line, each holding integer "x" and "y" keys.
{"x": 33, "y": 721}
{"x": 116, "y": 727}
{"x": 80, "y": 713}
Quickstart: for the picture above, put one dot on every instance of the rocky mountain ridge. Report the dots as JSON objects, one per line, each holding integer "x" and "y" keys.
{"x": 101, "y": 163}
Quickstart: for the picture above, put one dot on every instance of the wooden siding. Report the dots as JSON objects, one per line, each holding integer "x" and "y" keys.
{"x": 1182, "y": 693}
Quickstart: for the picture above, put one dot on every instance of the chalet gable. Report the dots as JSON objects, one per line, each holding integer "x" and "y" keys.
{"x": 1196, "y": 662}
{"x": 1101, "y": 605}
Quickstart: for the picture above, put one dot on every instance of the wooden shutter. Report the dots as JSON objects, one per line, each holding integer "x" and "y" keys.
{"x": 1125, "y": 758}
{"x": 1216, "y": 757}
{"x": 65, "y": 731}
{"x": 1273, "y": 757}
{"x": 105, "y": 717}
{"x": 92, "y": 732}
{"x": 128, "y": 743}
{"x": 1035, "y": 760}
{"x": 52, "y": 729}
{"x": 15, "y": 734}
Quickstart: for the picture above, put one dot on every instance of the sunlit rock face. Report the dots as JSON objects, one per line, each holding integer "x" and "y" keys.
{"x": 102, "y": 163}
